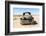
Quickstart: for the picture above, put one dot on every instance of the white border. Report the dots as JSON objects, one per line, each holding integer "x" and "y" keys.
{"x": 24, "y": 6}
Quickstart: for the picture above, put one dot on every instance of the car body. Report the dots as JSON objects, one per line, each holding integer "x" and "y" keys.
{"x": 27, "y": 19}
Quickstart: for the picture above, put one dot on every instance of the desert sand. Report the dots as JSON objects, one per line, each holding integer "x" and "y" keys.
{"x": 16, "y": 22}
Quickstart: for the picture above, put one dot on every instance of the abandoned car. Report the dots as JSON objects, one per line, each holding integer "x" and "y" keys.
{"x": 27, "y": 19}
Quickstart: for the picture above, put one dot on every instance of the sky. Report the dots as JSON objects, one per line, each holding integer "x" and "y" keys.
{"x": 20, "y": 11}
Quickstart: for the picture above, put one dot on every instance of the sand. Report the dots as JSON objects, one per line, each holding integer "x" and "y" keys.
{"x": 16, "y": 22}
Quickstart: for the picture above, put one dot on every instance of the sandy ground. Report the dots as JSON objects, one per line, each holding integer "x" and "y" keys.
{"x": 18, "y": 27}
{"x": 16, "y": 22}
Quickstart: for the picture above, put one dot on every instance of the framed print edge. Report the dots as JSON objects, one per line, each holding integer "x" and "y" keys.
{"x": 7, "y": 17}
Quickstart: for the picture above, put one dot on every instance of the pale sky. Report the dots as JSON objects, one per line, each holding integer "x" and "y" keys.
{"x": 20, "y": 11}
